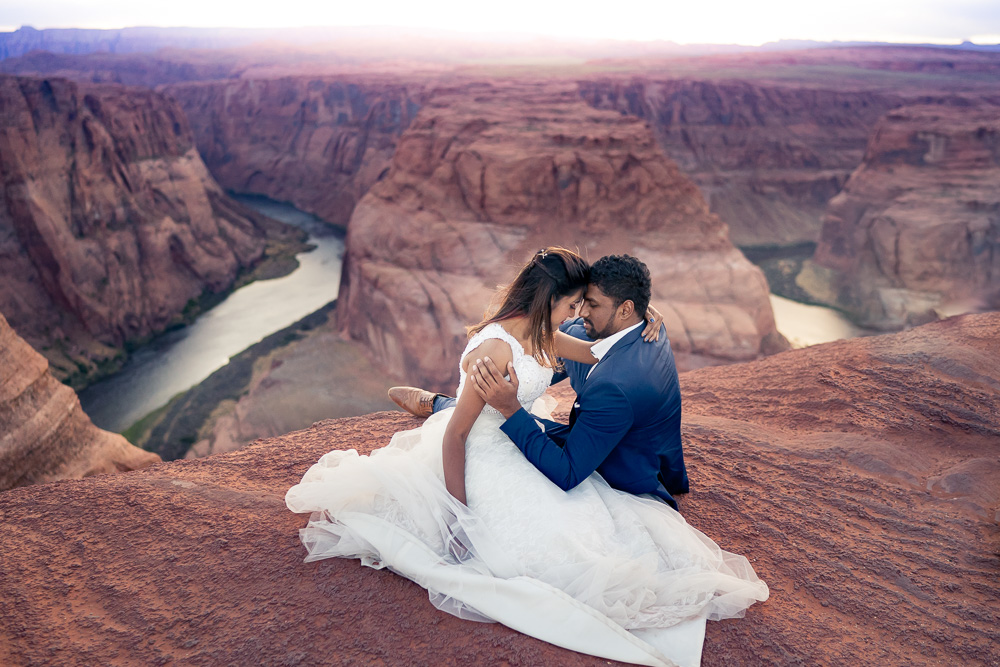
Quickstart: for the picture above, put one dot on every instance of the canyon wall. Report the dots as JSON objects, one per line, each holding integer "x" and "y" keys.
{"x": 486, "y": 175}
{"x": 318, "y": 143}
{"x": 110, "y": 225}
{"x": 44, "y": 434}
{"x": 768, "y": 158}
{"x": 862, "y": 485}
{"x": 916, "y": 232}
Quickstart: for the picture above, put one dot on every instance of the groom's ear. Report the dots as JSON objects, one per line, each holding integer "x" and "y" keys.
{"x": 626, "y": 309}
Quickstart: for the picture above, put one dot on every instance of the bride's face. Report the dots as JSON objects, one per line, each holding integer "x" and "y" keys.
{"x": 565, "y": 308}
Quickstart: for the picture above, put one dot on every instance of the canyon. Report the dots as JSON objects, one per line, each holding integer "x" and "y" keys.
{"x": 860, "y": 478}
{"x": 44, "y": 434}
{"x": 487, "y": 174}
{"x": 915, "y": 233}
{"x": 110, "y": 224}
{"x": 318, "y": 143}
{"x": 766, "y": 157}
{"x": 769, "y": 137}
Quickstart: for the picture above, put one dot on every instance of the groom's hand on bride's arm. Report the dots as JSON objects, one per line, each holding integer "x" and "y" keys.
{"x": 493, "y": 388}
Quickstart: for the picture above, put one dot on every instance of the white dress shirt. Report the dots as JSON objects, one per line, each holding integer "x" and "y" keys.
{"x": 601, "y": 347}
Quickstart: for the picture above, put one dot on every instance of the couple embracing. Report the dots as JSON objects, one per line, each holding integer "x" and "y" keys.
{"x": 568, "y": 533}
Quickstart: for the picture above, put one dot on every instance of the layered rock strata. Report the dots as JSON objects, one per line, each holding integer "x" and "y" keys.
{"x": 110, "y": 225}
{"x": 858, "y": 477}
{"x": 767, "y": 158}
{"x": 318, "y": 143}
{"x": 915, "y": 234}
{"x": 44, "y": 434}
{"x": 485, "y": 176}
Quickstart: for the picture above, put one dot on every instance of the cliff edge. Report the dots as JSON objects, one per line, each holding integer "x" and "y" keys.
{"x": 44, "y": 434}
{"x": 861, "y": 478}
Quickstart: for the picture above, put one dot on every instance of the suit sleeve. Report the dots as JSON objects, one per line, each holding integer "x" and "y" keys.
{"x": 598, "y": 429}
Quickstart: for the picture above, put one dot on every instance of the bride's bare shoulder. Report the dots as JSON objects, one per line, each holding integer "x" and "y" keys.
{"x": 494, "y": 348}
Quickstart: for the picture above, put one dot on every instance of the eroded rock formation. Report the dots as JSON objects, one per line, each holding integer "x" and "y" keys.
{"x": 44, "y": 434}
{"x": 767, "y": 158}
{"x": 916, "y": 232}
{"x": 318, "y": 143}
{"x": 109, "y": 222}
{"x": 859, "y": 478}
{"x": 485, "y": 176}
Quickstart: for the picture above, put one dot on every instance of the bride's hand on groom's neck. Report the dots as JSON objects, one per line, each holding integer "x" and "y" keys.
{"x": 493, "y": 388}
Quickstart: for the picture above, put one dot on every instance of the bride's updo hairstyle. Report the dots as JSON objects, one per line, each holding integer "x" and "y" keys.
{"x": 551, "y": 274}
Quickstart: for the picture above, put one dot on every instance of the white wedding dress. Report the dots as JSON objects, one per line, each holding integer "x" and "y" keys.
{"x": 593, "y": 569}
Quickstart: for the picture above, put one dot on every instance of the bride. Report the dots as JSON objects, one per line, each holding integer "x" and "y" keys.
{"x": 455, "y": 507}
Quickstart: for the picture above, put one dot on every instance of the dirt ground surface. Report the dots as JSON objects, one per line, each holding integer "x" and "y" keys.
{"x": 861, "y": 478}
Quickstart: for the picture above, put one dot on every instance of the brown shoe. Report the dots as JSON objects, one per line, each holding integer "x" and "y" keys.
{"x": 418, "y": 402}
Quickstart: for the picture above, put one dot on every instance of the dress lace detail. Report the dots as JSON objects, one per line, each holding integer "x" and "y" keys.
{"x": 533, "y": 378}
{"x": 626, "y": 569}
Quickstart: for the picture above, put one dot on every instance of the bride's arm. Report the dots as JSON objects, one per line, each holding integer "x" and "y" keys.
{"x": 466, "y": 412}
{"x": 573, "y": 349}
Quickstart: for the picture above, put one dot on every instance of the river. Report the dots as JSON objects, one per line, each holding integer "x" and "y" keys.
{"x": 184, "y": 357}
{"x": 804, "y": 325}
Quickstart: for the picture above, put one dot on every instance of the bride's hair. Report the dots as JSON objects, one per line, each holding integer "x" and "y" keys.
{"x": 551, "y": 274}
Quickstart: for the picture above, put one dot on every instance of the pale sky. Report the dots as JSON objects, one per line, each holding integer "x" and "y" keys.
{"x": 685, "y": 21}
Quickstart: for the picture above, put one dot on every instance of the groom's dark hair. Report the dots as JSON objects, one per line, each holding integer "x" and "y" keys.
{"x": 623, "y": 278}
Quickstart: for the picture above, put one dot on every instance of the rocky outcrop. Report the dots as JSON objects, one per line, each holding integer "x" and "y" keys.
{"x": 44, "y": 435}
{"x": 916, "y": 232}
{"x": 485, "y": 176}
{"x": 110, "y": 225}
{"x": 768, "y": 158}
{"x": 854, "y": 475}
{"x": 318, "y": 143}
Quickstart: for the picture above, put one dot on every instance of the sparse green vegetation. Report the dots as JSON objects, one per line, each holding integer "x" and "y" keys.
{"x": 171, "y": 430}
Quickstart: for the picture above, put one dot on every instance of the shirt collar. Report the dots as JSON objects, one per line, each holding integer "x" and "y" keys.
{"x": 601, "y": 347}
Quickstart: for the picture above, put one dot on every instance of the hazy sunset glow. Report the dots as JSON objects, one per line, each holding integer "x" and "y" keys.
{"x": 690, "y": 21}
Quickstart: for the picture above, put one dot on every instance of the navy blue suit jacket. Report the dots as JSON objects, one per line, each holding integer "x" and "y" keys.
{"x": 625, "y": 424}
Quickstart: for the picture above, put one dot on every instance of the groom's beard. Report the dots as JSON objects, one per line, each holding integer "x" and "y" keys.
{"x": 592, "y": 331}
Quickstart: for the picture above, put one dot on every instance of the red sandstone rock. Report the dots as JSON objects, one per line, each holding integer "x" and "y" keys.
{"x": 318, "y": 143}
{"x": 768, "y": 158}
{"x": 44, "y": 434}
{"x": 109, "y": 224}
{"x": 814, "y": 463}
{"x": 486, "y": 175}
{"x": 915, "y": 234}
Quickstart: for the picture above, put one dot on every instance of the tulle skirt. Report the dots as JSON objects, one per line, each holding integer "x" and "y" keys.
{"x": 593, "y": 569}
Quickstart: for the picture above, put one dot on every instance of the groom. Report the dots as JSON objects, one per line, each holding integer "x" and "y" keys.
{"x": 625, "y": 423}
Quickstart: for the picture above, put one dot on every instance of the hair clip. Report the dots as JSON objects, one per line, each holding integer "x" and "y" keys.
{"x": 543, "y": 253}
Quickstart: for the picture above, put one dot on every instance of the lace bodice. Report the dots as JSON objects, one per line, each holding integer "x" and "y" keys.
{"x": 533, "y": 378}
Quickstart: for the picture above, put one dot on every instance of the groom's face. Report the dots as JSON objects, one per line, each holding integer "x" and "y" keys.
{"x": 599, "y": 313}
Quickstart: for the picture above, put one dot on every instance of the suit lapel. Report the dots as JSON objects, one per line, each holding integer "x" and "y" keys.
{"x": 627, "y": 341}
